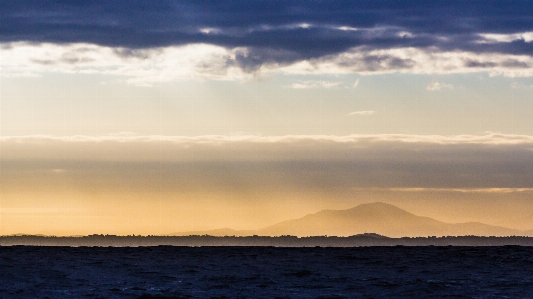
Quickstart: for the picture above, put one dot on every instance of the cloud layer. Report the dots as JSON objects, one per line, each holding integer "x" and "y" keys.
{"x": 235, "y": 39}
{"x": 146, "y": 67}
{"x": 394, "y": 161}
{"x": 305, "y": 29}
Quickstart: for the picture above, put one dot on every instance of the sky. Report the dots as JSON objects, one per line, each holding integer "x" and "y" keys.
{"x": 135, "y": 117}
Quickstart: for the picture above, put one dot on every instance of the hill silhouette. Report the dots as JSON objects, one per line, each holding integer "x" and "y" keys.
{"x": 217, "y": 232}
{"x": 381, "y": 218}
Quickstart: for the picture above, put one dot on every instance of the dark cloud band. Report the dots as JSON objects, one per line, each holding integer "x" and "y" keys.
{"x": 275, "y": 31}
{"x": 291, "y": 162}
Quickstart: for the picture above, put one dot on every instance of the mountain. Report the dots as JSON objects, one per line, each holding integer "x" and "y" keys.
{"x": 380, "y": 218}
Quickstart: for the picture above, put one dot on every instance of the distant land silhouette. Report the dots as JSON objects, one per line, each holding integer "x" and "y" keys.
{"x": 380, "y": 218}
{"x": 368, "y": 239}
{"x": 373, "y": 224}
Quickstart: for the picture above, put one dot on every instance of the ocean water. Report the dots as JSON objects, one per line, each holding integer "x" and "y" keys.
{"x": 266, "y": 272}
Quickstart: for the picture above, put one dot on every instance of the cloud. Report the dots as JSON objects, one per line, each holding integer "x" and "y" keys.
{"x": 356, "y": 83}
{"x": 235, "y": 147}
{"x": 148, "y": 67}
{"x": 506, "y": 38}
{"x": 413, "y": 60}
{"x": 314, "y": 84}
{"x": 142, "y": 67}
{"x": 283, "y": 33}
{"x": 464, "y": 190}
{"x": 490, "y": 138}
{"x": 130, "y": 137}
{"x": 435, "y": 86}
{"x": 297, "y": 25}
{"x": 37, "y": 210}
{"x": 364, "y": 112}
{"x": 516, "y": 85}
{"x": 469, "y": 162}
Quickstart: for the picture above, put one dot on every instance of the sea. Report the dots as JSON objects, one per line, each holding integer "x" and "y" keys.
{"x": 266, "y": 272}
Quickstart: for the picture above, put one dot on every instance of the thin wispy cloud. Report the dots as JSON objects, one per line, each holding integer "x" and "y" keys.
{"x": 516, "y": 85}
{"x": 506, "y": 38}
{"x": 436, "y": 86}
{"x": 237, "y": 147}
{"x": 362, "y": 112}
{"x": 314, "y": 84}
{"x": 464, "y": 190}
{"x": 128, "y": 137}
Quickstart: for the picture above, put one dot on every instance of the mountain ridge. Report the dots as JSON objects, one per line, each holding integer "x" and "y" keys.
{"x": 378, "y": 217}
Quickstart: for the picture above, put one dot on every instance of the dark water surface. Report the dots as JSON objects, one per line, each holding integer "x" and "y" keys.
{"x": 266, "y": 272}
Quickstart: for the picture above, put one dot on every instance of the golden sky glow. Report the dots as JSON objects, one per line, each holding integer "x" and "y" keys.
{"x": 164, "y": 184}
{"x": 133, "y": 119}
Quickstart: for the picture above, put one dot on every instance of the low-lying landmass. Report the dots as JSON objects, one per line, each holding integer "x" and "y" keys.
{"x": 368, "y": 239}
{"x": 389, "y": 225}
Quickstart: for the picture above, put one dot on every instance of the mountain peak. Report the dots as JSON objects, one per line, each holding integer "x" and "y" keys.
{"x": 375, "y": 210}
{"x": 381, "y": 206}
